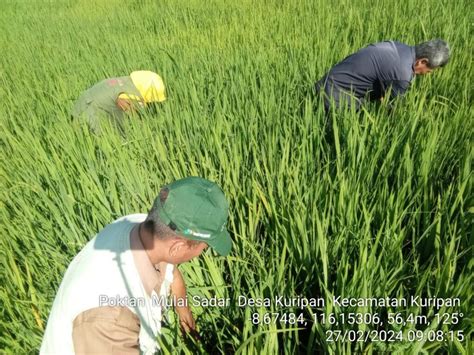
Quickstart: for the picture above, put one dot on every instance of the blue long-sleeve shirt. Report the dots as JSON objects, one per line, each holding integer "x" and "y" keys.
{"x": 369, "y": 74}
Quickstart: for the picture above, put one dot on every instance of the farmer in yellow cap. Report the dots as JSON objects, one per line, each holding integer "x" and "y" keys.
{"x": 114, "y": 98}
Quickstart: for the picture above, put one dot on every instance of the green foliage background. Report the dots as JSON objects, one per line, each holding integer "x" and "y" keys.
{"x": 382, "y": 208}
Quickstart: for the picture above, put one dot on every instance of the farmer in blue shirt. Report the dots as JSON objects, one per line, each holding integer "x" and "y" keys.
{"x": 379, "y": 70}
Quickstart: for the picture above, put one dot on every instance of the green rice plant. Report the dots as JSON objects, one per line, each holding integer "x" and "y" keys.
{"x": 382, "y": 207}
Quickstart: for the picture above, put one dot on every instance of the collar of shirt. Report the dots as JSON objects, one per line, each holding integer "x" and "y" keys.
{"x": 150, "y": 274}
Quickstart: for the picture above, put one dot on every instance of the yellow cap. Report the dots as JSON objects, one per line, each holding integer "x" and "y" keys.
{"x": 150, "y": 85}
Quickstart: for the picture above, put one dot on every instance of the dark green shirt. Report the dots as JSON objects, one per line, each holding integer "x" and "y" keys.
{"x": 99, "y": 102}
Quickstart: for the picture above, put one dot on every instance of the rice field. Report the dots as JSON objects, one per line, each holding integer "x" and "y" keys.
{"x": 383, "y": 208}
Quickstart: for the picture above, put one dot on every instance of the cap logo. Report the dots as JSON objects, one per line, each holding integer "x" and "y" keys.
{"x": 196, "y": 234}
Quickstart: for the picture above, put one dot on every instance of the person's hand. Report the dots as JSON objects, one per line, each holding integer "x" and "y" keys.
{"x": 186, "y": 321}
{"x": 124, "y": 104}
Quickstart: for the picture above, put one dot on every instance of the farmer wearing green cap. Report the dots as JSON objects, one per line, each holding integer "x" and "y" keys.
{"x": 115, "y": 98}
{"x": 112, "y": 297}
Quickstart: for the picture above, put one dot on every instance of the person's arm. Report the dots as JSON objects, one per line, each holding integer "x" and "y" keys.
{"x": 395, "y": 88}
{"x": 128, "y": 103}
{"x": 124, "y": 104}
{"x": 178, "y": 291}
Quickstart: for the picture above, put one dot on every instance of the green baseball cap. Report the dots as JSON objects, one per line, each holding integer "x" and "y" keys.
{"x": 196, "y": 209}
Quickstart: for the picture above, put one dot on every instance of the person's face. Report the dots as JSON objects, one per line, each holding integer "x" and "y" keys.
{"x": 421, "y": 67}
{"x": 183, "y": 250}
